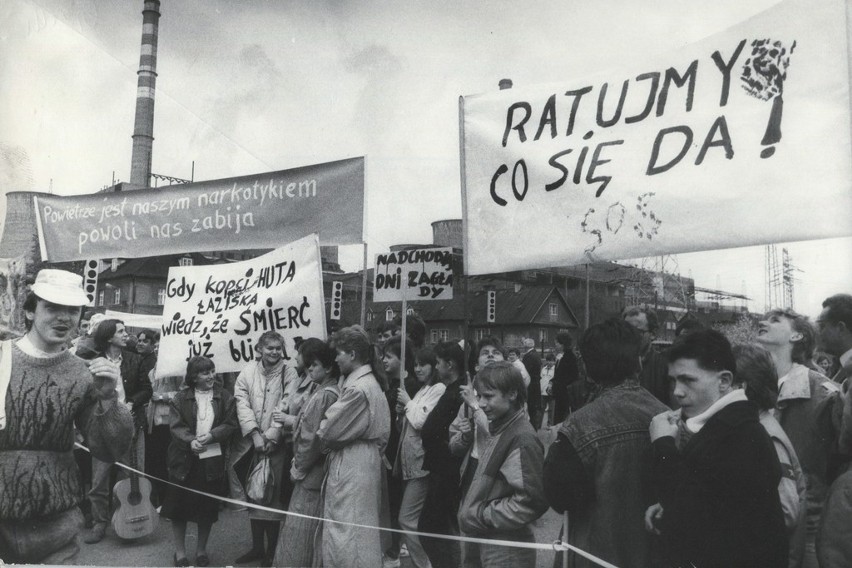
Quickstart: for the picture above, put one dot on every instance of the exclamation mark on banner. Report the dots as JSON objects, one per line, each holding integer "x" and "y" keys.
{"x": 763, "y": 77}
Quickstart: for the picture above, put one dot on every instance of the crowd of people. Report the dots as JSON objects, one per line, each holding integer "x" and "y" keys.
{"x": 703, "y": 454}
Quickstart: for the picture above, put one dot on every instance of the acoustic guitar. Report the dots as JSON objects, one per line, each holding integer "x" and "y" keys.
{"x": 135, "y": 516}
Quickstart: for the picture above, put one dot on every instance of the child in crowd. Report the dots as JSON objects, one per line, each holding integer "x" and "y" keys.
{"x": 506, "y": 494}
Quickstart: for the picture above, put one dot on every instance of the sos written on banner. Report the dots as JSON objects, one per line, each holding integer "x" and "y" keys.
{"x": 416, "y": 274}
{"x": 742, "y": 138}
{"x": 220, "y": 311}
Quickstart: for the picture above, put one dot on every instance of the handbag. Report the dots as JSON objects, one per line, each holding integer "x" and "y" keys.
{"x": 260, "y": 484}
{"x": 109, "y": 431}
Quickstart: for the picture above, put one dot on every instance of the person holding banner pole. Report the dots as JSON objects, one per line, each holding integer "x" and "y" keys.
{"x": 355, "y": 431}
{"x": 398, "y": 374}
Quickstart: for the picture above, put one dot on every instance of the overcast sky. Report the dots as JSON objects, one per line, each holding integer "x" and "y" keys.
{"x": 262, "y": 85}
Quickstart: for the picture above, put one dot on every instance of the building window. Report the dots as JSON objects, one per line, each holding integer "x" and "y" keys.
{"x": 554, "y": 311}
{"x": 161, "y": 296}
{"x": 101, "y": 298}
{"x": 440, "y": 335}
{"x": 116, "y": 298}
{"x": 389, "y": 314}
{"x": 409, "y": 312}
{"x": 113, "y": 265}
{"x": 185, "y": 261}
{"x": 369, "y": 316}
{"x": 542, "y": 337}
{"x": 479, "y": 334}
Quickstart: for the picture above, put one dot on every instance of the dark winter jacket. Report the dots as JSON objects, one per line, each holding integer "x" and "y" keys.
{"x": 720, "y": 494}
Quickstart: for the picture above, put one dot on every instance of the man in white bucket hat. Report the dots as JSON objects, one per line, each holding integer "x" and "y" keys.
{"x": 44, "y": 391}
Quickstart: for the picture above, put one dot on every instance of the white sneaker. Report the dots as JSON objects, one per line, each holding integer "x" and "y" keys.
{"x": 403, "y": 551}
{"x": 388, "y": 562}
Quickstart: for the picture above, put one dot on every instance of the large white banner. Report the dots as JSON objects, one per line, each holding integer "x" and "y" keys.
{"x": 740, "y": 139}
{"x": 220, "y": 311}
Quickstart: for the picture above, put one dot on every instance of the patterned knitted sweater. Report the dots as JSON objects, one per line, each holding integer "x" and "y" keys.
{"x": 38, "y": 474}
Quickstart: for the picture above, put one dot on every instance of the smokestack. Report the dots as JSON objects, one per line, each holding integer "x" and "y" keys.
{"x": 143, "y": 127}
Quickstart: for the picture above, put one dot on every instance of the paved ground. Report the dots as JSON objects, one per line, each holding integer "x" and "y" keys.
{"x": 231, "y": 538}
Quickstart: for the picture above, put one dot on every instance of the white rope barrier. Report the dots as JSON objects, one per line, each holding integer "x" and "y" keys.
{"x": 556, "y": 546}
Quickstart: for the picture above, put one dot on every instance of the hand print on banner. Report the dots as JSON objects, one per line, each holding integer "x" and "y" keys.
{"x": 763, "y": 77}
{"x": 597, "y": 223}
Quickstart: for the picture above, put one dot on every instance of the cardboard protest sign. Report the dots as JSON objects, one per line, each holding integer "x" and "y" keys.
{"x": 220, "y": 311}
{"x": 256, "y": 211}
{"x": 742, "y": 138}
{"x": 417, "y": 274}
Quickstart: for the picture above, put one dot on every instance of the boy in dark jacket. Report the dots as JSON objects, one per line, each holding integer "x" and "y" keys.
{"x": 506, "y": 494}
{"x": 714, "y": 468}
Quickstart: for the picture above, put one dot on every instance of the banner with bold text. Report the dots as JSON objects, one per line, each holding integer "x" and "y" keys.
{"x": 416, "y": 274}
{"x": 221, "y": 310}
{"x": 248, "y": 212}
{"x": 740, "y": 139}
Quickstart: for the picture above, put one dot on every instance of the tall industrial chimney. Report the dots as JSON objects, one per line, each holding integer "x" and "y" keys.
{"x": 143, "y": 127}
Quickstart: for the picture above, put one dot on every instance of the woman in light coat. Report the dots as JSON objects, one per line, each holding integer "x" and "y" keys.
{"x": 355, "y": 430}
{"x": 258, "y": 391}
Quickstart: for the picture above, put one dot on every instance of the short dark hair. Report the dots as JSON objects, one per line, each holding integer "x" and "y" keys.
{"x": 504, "y": 377}
{"x": 450, "y": 352}
{"x": 708, "y": 347}
{"x": 490, "y": 341}
{"x": 611, "y": 351}
{"x": 104, "y": 332}
{"x": 803, "y": 350}
{"x": 650, "y": 315}
{"x": 195, "y": 366}
{"x": 514, "y": 350}
{"x": 385, "y": 325}
{"x": 840, "y": 309}
{"x": 394, "y": 345}
{"x": 564, "y": 338}
{"x": 30, "y": 304}
{"x": 415, "y": 328}
{"x": 688, "y": 324}
{"x": 756, "y": 370}
{"x": 314, "y": 349}
{"x": 151, "y": 334}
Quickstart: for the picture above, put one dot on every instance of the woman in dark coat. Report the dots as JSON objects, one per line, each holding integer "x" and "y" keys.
{"x": 203, "y": 417}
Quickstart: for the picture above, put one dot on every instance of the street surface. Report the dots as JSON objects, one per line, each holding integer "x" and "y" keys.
{"x": 231, "y": 537}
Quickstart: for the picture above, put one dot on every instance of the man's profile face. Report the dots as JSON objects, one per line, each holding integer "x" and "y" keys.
{"x": 696, "y": 388}
{"x": 119, "y": 339}
{"x": 830, "y": 334}
{"x": 53, "y": 324}
{"x": 83, "y": 328}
